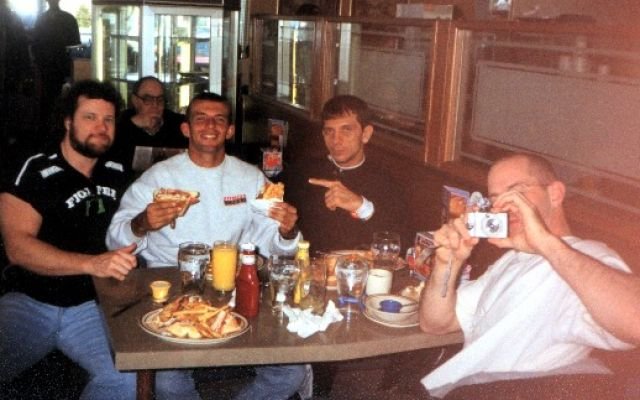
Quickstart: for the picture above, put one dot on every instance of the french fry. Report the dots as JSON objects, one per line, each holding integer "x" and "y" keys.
{"x": 207, "y": 316}
{"x": 206, "y": 331}
{"x": 169, "y": 309}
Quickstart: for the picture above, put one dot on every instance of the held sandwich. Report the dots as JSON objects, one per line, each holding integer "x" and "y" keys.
{"x": 184, "y": 197}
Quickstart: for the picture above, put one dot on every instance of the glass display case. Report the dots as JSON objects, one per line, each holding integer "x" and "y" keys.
{"x": 190, "y": 49}
{"x": 301, "y": 63}
{"x": 286, "y": 57}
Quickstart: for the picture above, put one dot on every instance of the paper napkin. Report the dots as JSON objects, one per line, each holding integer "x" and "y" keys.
{"x": 305, "y": 323}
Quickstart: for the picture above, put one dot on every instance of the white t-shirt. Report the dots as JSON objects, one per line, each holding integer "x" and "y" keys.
{"x": 223, "y": 212}
{"x": 521, "y": 319}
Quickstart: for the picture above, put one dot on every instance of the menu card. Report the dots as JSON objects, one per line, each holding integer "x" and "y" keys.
{"x": 454, "y": 202}
{"x": 145, "y": 156}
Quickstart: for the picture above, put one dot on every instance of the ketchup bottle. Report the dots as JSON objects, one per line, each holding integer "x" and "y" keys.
{"x": 247, "y": 283}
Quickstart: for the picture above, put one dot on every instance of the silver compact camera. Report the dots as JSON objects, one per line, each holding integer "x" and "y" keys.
{"x": 488, "y": 225}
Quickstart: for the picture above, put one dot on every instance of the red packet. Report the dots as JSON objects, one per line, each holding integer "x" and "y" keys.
{"x": 420, "y": 260}
{"x": 271, "y": 162}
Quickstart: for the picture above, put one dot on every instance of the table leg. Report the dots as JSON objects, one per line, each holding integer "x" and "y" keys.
{"x": 145, "y": 383}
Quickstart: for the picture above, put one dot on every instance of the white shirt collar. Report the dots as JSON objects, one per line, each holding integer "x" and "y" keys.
{"x": 341, "y": 168}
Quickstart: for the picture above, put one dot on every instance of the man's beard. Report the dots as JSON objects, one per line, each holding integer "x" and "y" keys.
{"x": 86, "y": 148}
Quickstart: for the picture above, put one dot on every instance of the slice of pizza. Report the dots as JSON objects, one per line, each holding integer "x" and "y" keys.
{"x": 185, "y": 197}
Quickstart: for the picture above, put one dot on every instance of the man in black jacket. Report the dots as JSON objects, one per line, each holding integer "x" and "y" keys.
{"x": 345, "y": 197}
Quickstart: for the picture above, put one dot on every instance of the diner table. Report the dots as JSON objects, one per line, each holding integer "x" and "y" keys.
{"x": 267, "y": 341}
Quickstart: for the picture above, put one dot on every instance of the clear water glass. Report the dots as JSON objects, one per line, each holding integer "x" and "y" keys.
{"x": 351, "y": 280}
{"x": 385, "y": 249}
{"x": 283, "y": 275}
{"x": 193, "y": 260}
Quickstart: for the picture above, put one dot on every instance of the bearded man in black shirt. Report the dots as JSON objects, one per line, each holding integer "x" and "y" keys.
{"x": 53, "y": 219}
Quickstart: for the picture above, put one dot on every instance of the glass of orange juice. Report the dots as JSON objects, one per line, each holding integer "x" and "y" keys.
{"x": 225, "y": 257}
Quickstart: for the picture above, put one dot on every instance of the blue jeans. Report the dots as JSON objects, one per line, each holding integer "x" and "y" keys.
{"x": 29, "y": 330}
{"x": 274, "y": 382}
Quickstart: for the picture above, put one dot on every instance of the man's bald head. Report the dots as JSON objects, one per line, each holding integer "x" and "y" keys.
{"x": 538, "y": 167}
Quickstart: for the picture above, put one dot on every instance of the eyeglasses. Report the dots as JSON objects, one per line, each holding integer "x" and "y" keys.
{"x": 150, "y": 100}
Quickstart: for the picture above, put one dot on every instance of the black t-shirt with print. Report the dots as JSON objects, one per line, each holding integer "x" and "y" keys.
{"x": 76, "y": 212}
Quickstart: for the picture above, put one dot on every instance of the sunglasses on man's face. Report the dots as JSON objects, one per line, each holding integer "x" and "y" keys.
{"x": 150, "y": 100}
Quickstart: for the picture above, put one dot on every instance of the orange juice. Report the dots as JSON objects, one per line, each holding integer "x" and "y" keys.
{"x": 225, "y": 257}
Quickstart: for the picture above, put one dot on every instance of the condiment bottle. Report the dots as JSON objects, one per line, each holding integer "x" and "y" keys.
{"x": 302, "y": 257}
{"x": 247, "y": 283}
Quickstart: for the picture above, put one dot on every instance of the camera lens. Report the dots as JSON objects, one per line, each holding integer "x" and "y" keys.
{"x": 492, "y": 225}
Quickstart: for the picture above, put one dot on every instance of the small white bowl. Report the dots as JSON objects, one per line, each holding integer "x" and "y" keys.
{"x": 408, "y": 312}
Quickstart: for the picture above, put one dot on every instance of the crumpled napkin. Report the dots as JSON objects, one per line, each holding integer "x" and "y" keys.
{"x": 305, "y": 323}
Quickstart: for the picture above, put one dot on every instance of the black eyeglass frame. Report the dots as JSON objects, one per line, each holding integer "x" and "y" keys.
{"x": 151, "y": 100}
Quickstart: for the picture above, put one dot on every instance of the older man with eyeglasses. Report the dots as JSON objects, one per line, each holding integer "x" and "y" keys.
{"x": 147, "y": 122}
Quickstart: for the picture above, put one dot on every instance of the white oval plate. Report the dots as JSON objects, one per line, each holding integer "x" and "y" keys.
{"x": 149, "y": 328}
{"x": 408, "y": 324}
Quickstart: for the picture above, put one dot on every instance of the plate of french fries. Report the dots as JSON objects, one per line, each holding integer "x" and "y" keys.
{"x": 193, "y": 320}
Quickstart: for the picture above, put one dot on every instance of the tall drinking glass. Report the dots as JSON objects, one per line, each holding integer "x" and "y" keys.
{"x": 351, "y": 277}
{"x": 283, "y": 275}
{"x": 193, "y": 258}
{"x": 225, "y": 259}
{"x": 314, "y": 278}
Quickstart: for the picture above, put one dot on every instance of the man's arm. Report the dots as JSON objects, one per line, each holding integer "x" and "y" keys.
{"x": 438, "y": 301}
{"x": 20, "y": 224}
{"x": 612, "y": 297}
{"x": 138, "y": 214}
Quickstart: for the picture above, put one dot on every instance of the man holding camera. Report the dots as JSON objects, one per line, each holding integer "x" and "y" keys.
{"x": 539, "y": 310}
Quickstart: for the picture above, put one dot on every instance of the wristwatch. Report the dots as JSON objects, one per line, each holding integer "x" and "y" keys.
{"x": 292, "y": 234}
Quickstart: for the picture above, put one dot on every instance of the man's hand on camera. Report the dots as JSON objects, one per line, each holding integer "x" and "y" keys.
{"x": 453, "y": 240}
{"x": 528, "y": 231}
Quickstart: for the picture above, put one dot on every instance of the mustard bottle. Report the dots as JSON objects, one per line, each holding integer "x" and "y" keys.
{"x": 302, "y": 257}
